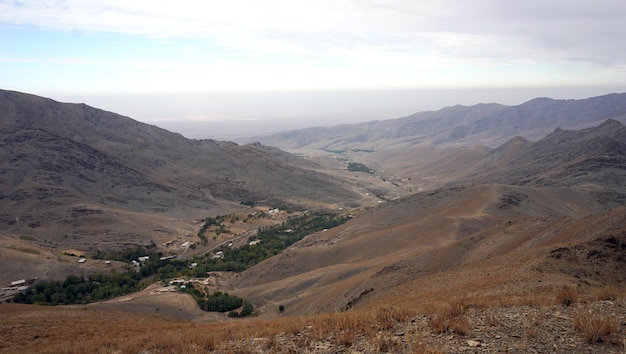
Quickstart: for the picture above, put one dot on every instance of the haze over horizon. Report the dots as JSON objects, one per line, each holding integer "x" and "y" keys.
{"x": 209, "y": 69}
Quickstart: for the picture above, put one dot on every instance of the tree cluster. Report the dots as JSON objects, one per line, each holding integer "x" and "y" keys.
{"x": 359, "y": 167}
{"x": 220, "y": 302}
{"x": 273, "y": 239}
{"x": 81, "y": 290}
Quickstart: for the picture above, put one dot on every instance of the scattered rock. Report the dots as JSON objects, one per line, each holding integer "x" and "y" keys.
{"x": 474, "y": 343}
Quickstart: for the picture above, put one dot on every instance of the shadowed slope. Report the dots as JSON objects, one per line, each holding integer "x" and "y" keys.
{"x": 71, "y": 155}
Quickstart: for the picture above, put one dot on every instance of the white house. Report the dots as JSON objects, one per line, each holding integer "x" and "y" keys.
{"x": 18, "y": 282}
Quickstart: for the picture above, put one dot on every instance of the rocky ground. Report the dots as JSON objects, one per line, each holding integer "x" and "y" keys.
{"x": 581, "y": 327}
{"x": 550, "y": 329}
{"x": 526, "y": 329}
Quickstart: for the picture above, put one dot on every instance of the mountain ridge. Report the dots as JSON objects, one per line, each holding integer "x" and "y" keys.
{"x": 487, "y": 124}
{"x": 564, "y": 158}
{"x": 62, "y": 154}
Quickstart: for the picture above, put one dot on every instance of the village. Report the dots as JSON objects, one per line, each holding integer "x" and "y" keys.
{"x": 227, "y": 244}
{"x": 15, "y": 287}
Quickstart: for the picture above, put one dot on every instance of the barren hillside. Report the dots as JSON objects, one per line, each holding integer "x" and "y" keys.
{"x": 446, "y": 249}
{"x": 411, "y": 238}
{"x": 71, "y": 171}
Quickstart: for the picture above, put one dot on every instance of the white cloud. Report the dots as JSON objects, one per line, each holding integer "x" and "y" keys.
{"x": 552, "y": 30}
{"x": 342, "y": 44}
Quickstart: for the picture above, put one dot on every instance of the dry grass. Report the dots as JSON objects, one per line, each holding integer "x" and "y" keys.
{"x": 566, "y": 296}
{"x": 450, "y": 317}
{"x": 378, "y": 327}
{"x": 381, "y": 329}
{"x": 594, "y": 328}
{"x": 608, "y": 292}
{"x": 384, "y": 343}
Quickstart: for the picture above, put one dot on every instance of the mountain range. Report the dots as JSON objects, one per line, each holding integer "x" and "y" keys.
{"x": 482, "y": 124}
{"x": 481, "y": 208}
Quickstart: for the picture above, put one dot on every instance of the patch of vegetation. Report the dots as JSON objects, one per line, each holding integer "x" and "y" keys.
{"x": 273, "y": 239}
{"x": 594, "y": 328}
{"x": 28, "y": 238}
{"x": 217, "y": 221}
{"x": 102, "y": 286}
{"x": 450, "y": 317}
{"x": 566, "y": 296}
{"x": 130, "y": 254}
{"x": 358, "y": 167}
{"x": 607, "y": 292}
{"x": 220, "y": 302}
{"x": 245, "y": 311}
{"x": 81, "y": 290}
{"x": 26, "y": 250}
{"x": 511, "y": 199}
{"x": 335, "y": 151}
{"x": 249, "y": 203}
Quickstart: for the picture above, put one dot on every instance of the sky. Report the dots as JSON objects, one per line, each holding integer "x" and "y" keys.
{"x": 235, "y": 65}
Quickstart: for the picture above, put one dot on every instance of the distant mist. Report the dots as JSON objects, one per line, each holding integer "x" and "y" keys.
{"x": 233, "y": 115}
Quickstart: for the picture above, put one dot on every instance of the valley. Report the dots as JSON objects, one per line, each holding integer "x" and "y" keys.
{"x": 480, "y": 228}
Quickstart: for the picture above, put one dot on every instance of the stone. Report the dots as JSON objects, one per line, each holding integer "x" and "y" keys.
{"x": 473, "y": 343}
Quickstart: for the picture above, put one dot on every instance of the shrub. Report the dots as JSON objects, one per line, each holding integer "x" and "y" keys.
{"x": 594, "y": 328}
{"x": 440, "y": 324}
{"x": 606, "y": 293}
{"x": 566, "y": 296}
{"x": 460, "y": 325}
{"x": 450, "y": 317}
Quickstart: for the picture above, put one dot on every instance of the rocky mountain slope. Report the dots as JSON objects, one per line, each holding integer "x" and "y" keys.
{"x": 68, "y": 166}
{"x": 592, "y": 158}
{"x": 481, "y": 124}
{"x": 526, "y": 198}
{"x": 418, "y": 237}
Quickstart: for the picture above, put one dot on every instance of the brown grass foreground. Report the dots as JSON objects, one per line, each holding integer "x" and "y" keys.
{"x": 78, "y": 330}
{"x": 412, "y": 328}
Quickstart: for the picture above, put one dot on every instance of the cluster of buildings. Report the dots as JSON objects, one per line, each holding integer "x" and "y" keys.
{"x": 17, "y": 286}
{"x": 140, "y": 260}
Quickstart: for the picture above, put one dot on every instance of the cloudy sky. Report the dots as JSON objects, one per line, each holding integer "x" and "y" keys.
{"x": 320, "y": 60}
